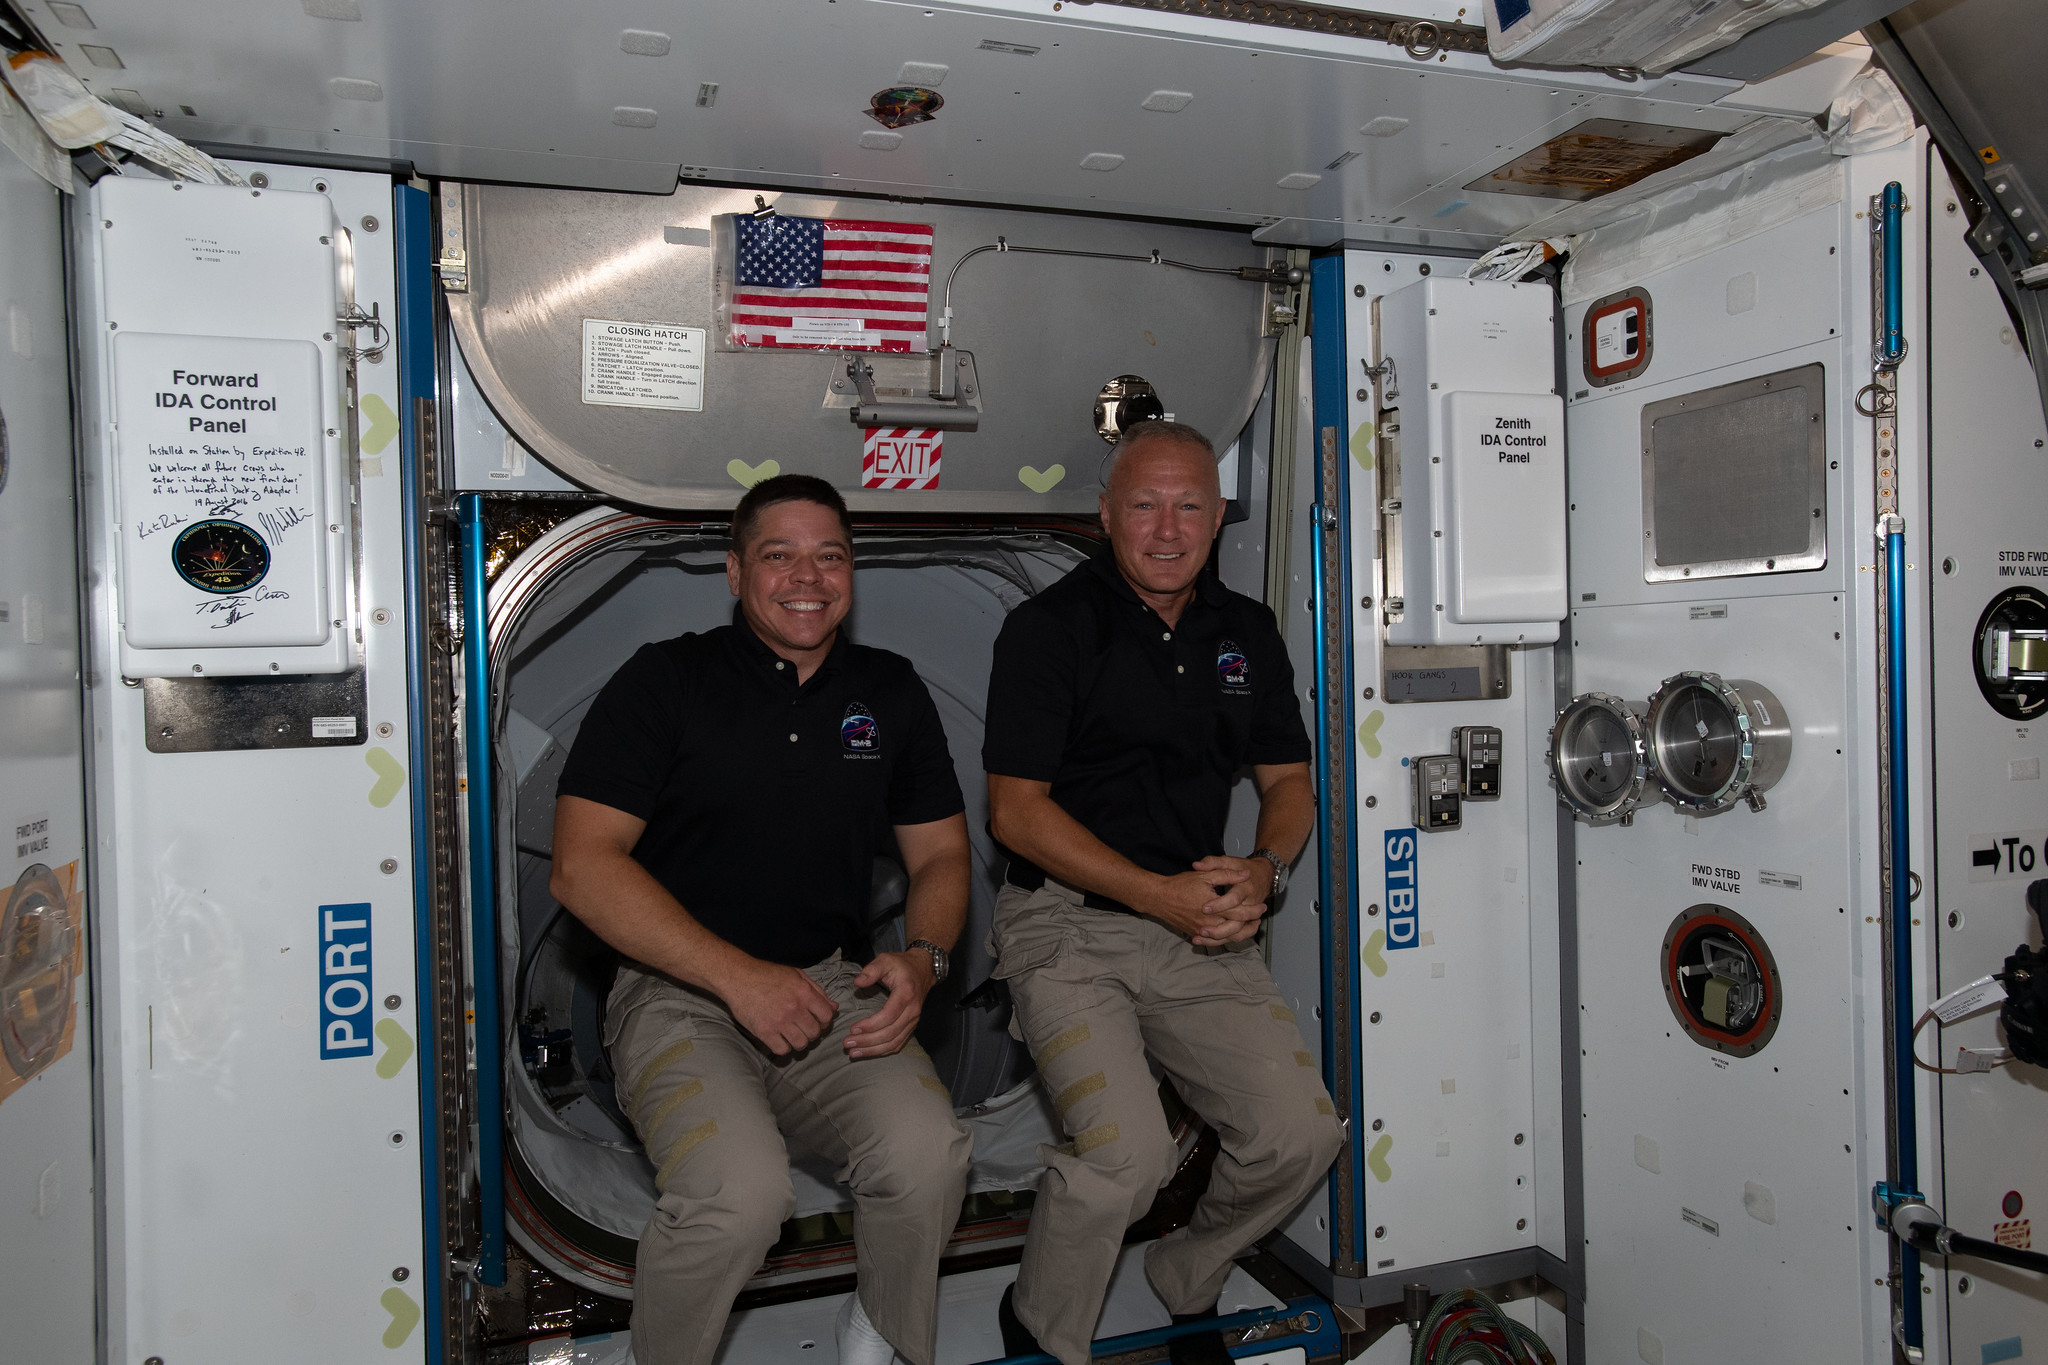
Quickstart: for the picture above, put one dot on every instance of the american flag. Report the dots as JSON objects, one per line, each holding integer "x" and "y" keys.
{"x": 831, "y": 283}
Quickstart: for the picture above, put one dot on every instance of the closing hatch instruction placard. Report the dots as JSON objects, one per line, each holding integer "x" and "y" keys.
{"x": 643, "y": 365}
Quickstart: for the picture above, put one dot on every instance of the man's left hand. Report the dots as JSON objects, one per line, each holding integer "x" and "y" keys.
{"x": 1237, "y": 910}
{"x": 907, "y": 976}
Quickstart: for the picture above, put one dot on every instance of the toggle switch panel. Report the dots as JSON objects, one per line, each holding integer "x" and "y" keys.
{"x": 1439, "y": 802}
{"x": 1479, "y": 751}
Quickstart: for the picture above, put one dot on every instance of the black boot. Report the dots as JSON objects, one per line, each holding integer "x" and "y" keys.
{"x": 1197, "y": 1348}
{"x": 1017, "y": 1338}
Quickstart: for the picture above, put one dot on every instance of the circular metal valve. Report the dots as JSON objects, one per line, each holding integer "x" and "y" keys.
{"x": 1598, "y": 760}
{"x": 1714, "y": 741}
{"x": 1124, "y": 402}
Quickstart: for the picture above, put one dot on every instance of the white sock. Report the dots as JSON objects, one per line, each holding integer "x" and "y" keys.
{"x": 859, "y": 1342}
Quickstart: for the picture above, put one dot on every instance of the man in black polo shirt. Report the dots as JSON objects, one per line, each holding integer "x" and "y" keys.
{"x": 717, "y": 822}
{"x": 1123, "y": 703}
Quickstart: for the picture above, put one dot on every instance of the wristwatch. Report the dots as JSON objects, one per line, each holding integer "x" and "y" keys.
{"x": 1279, "y": 869}
{"x": 941, "y": 964}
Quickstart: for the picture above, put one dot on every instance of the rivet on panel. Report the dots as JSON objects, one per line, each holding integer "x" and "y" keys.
{"x": 1373, "y": 909}
{"x": 383, "y": 729}
{"x": 392, "y": 1002}
{"x": 388, "y": 866}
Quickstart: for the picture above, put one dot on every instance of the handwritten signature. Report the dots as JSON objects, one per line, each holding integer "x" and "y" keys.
{"x": 227, "y": 508}
{"x": 278, "y": 522}
{"x": 145, "y": 529}
{"x": 240, "y": 607}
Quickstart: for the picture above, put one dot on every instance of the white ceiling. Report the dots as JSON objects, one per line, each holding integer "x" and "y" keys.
{"x": 527, "y": 90}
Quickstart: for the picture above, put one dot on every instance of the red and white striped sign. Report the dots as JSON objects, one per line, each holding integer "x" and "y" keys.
{"x": 872, "y": 290}
{"x": 900, "y": 457}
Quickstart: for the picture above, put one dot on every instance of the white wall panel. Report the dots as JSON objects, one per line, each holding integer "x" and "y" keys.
{"x": 46, "y": 1123}
{"x": 261, "y": 1197}
{"x": 1727, "y": 1197}
{"x": 1989, "y": 491}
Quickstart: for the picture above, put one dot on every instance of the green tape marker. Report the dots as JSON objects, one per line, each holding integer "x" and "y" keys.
{"x": 383, "y": 423}
{"x": 1369, "y": 733}
{"x": 1370, "y": 955}
{"x": 1361, "y": 445}
{"x": 390, "y": 776}
{"x": 398, "y": 1046}
{"x": 405, "y": 1315}
{"x": 1042, "y": 482}
{"x": 747, "y": 475}
{"x": 1375, "y": 1161}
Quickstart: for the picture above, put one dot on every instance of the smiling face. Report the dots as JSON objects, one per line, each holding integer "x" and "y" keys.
{"x": 794, "y": 579}
{"x": 1162, "y": 510}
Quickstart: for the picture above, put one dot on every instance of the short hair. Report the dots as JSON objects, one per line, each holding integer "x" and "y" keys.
{"x": 1179, "y": 433}
{"x": 786, "y": 488}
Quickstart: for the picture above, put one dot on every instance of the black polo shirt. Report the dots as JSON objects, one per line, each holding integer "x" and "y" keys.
{"x": 765, "y": 801}
{"x": 1141, "y": 729}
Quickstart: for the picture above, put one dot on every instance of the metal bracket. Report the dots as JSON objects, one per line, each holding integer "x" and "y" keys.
{"x": 895, "y": 390}
{"x": 1383, "y": 370}
{"x": 354, "y": 320}
{"x": 453, "y": 264}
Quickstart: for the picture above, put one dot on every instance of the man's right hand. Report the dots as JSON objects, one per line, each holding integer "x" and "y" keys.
{"x": 780, "y": 1005}
{"x": 1179, "y": 902}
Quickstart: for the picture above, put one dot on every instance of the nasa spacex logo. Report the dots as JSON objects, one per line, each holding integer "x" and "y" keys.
{"x": 1232, "y": 668}
{"x": 858, "y": 733}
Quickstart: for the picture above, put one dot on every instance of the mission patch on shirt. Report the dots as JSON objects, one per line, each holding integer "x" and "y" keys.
{"x": 766, "y": 802}
{"x": 1141, "y": 728}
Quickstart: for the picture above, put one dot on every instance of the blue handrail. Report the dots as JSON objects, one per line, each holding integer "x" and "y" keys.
{"x": 1336, "y": 808}
{"x": 1892, "y": 349}
{"x": 1906, "y": 1137}
{"x": 1321, "y": 1341}
{"x": 415, "y": 307}
{"x": 483, "y": 895}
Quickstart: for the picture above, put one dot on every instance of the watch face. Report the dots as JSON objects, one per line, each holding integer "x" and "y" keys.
{"x": 220, "y": 556}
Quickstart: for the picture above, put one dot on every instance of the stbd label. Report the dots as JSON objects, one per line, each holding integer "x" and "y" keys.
{"x": 1404, "y": 908}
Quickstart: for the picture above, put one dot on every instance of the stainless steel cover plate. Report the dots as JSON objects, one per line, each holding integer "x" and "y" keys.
{"x": 1735, "y": 479}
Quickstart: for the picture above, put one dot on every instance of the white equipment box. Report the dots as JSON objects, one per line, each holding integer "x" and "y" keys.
{"x": 1482, "y": 462}
{"x": 230, "y": 493}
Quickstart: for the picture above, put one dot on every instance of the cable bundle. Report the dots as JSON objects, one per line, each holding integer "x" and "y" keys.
{"x": 1464, "y": 1327}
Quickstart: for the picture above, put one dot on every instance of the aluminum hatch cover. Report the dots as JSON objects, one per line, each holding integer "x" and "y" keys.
{"x": 1046, "y": 333}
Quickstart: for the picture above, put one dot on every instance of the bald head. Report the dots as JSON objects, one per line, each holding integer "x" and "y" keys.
{"x": 1162, "y": 510}
{"x": 1147, "y": 436}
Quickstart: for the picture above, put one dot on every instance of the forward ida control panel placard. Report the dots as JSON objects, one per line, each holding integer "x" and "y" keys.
{"x": 221, "y": 495}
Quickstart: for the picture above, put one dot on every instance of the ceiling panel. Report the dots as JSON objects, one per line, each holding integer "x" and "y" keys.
{"x": 527, "y": 90}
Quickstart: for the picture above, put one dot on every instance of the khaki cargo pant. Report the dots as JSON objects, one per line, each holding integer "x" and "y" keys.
{"x": 1095, "y": 992}
{"x": 714, "y": 1106}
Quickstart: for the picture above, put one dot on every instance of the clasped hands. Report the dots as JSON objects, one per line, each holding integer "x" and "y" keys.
{"x": 1220, "y": 901}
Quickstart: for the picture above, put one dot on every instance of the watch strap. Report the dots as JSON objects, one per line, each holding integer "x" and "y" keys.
{"x": 941, "y": 960}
